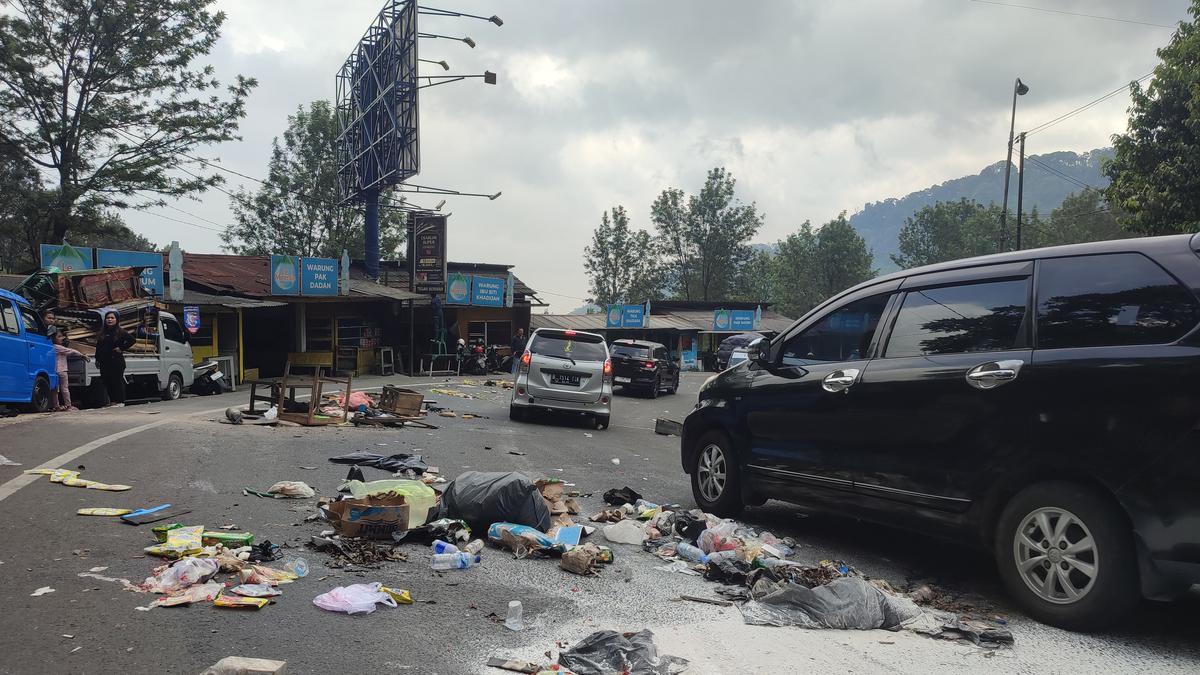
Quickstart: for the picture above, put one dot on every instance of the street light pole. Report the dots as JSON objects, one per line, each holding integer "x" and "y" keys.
{"x": 1019, "y": 89}
{"x": 1020, "y": 185}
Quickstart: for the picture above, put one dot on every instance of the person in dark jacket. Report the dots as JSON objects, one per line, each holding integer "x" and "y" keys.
{"x": 518, "y": 348}
{"x": 110, "y": 357}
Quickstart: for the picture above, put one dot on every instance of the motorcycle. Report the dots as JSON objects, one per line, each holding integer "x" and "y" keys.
{"x": 494, "y": 362}
{"x": 207, "y": 379}
{"x": 476, "y": 362}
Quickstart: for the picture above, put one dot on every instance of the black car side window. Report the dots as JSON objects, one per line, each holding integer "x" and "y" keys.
{"x": 1113, "y": 299}
{"x": 171, "y": 331}
{"x": 842, "y": 335}
{"x": 981, "y": 317}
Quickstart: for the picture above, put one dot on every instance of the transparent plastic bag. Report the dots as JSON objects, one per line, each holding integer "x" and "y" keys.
{"x": 719, "y": 537}
{"x": 183, "y": 573}
{"x": 354, "y": 599}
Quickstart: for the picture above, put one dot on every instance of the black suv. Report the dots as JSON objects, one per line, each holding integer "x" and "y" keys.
{"x": 1043, "y": 403}
{"x": 644, "y": 365}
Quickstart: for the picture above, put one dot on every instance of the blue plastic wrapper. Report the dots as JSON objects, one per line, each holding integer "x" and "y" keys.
{"x": 522, "y": 539}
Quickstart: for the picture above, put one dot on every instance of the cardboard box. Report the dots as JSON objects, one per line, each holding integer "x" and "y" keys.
{"x": 370, "y": 518}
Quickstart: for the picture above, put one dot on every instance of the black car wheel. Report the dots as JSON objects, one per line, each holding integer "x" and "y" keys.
{"x": 716, "y": 478}
{"x": 1066, "y": 554}
{"x": 174, "y": 388}
{"x": 39, "y": 402}
{"x": 656, "y": 387}
{"x": 674, "y": 385}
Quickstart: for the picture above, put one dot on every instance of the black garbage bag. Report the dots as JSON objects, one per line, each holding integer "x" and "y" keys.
{"x": 625, "y": 495}
{"x": 608, "y": 652}
{"x": 398, "y": 462}
{"x": 846, "y": 603}
{"x": 482, "y": 498}
{"x": 690, "y": 524}
{"x": 728, "y": 571}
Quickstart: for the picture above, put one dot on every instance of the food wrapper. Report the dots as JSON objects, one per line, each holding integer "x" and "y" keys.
{"x": 180, "y": 542}
{"x": 261, "y": 574}
{"x": 239, "y": 602}
{"x": 198, "y": 593}
{"x": 102, "y": 511}
{"x": 400, "y": 595}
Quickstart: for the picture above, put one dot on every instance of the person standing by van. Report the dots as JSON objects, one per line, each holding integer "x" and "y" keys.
{"x": 110, "y": 357}
{"x": 61, "y": 399}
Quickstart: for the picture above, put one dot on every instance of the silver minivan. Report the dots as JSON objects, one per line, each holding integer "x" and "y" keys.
{"x": 564, "y": 370}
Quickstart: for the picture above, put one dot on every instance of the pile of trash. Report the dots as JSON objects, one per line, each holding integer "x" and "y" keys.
{"x": 603, "y": 653}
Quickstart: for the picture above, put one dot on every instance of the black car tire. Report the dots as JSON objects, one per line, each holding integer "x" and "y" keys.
{"x": 674, "y": 385}
{"x": 516, "y": 414}
{"x": 1113, "y": 590}
{"x": 602, "y": 421}
{"x": 728, "y": 503}
{"x": 39, "y": 401}
{"x": 174, "y": 388}
{"x": 654, "y": 388}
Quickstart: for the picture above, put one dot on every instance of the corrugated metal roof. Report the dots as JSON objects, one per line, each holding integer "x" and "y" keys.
{"x": 371, "y": 289}
{"x": 238, "y": 274}
{"x": 772, "y": 322}
{"x": 193, "y": 297}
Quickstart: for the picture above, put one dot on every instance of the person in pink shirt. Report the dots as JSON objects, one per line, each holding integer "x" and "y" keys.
{"x": 61, "y": 399}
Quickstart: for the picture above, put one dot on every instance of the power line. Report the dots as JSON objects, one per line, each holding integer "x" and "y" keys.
{"x": 1064, "y": 176}
{"x": 177, "y": 220}
{"x": 1079, "y": 14}
{"x": 1046, "y": 125}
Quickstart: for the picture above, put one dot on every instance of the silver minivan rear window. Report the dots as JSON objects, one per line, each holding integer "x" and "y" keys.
{"x": 566, "y": 346}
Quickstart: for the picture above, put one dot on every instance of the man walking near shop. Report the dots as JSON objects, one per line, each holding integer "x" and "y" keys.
{"x": 518, "y": 348}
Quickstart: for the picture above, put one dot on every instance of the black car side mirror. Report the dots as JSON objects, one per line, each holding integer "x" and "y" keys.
{"x": 760, "y": 352}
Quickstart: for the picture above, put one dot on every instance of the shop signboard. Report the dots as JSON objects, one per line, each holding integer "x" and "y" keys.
{"x": 318, "y": 276}
{"x": 428, "y": 235}
{"x": 458, "y": 289}
{"x": 720, "y": 320}
{"x": 633, "y": 316}
{"x": 152, "y": 276}
{"x": 66, "y": 257}
{"x": 614, "y": 316}
{"x": 487, "y": 291}
{"x": 191, "y": 319}
{"x": 285, "y": 275}
{"x": 741, "y": 319}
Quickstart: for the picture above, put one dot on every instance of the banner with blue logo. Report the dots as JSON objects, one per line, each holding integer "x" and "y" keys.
{"x": 285, "y": 275}
{"x": 458, "y": 289}
{"x": 614, "y": 315}
{"x": 152, "y": 276}
{"x": 487, "y": 291}
{"x": 318, "y": 276}
{"x": 66, "y": 258}
{"x": 191, "y": 319}
{"x": 741, "y": 319}
{"x": 633, "y": 316}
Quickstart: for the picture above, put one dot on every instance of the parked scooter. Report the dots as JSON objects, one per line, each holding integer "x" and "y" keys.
{"x": 208, "y": 379}
{"x": 476, "y": 362}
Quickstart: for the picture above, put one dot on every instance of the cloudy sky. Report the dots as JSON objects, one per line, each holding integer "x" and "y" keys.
{"x": 816, "y": 107}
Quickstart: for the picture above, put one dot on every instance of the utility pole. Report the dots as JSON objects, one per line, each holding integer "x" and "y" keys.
{"x": 1019, "y": 89}
{"x": 1020, "y": 186}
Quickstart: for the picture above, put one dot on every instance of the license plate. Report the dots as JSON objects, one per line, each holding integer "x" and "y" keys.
{"x": 561, "y": 378}
{"x": 217, "y": 375}
{"x": 623, "y": 380}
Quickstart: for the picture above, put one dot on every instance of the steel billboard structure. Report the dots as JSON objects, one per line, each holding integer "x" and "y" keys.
{"x": 378, "y": 143}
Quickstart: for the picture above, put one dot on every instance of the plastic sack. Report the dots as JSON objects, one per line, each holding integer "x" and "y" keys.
{"x": 198, "y": 593}
{"x": 719, "y": 537}
{"x": 261, "y": 574}
{"x": 521, "y": 539}
{"x": 845, "y": 603}
{"x": 354, "y": 599}
{"x": 181, "y": 574}
{"x": 419, "y": 496}
{"x": 400, "y": 461}
{"x": 690, "y": 524}
{"x": 608, "y": 651}
{"x": 256, "y": 590}
{"x": 292, "y": 488}
{"x": 482, "y": 498}
{"x": 625, "y": 532}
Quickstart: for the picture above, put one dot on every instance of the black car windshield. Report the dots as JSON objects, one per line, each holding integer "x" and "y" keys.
{"x": 632, "y": 351}
{"x": 567, "y": 347}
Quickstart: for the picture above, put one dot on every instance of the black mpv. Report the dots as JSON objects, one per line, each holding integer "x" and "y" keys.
{"x": 1042, "y": 403}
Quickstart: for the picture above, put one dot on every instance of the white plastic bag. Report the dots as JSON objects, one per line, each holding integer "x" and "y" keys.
{"x": 183, "y": 573}
{"x": 292, "y": 488}
{"x": 625, "y": 532}
{"x": 354, "y": 599}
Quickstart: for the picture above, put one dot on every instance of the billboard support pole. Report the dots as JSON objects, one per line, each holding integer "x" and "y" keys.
{"x": 371, "y": 235}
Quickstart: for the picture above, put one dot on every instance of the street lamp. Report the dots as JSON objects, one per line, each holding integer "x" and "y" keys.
{"x": 465, "y": 40}
{"x": 443, "y": 64}
{"x": 1019, "y": 89}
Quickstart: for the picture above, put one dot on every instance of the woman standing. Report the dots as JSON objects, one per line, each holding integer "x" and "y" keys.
{"x": 110, "y": 357}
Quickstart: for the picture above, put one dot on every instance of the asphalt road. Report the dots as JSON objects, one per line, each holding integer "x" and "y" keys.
{"x": 178, "y": 453}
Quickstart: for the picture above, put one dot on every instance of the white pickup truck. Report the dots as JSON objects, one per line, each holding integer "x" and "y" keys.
{"x": 167, "y": 372}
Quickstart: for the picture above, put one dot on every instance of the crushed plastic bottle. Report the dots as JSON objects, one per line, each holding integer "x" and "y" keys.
{"x": 691, "y": 553}
{"x": 440, "y": 546}
{"x": 298, "y": 567}
{"x": 474, "y": 547}
{"x": 515, "y": 619}
{"x": 454, "y": 561}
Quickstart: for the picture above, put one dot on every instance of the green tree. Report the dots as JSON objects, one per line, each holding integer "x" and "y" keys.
{"x": 756, "y": 278}
{"x": 618, "y": 261}
{"x": 812, "y": 265}
{"x": 948, "y": 231}
{"x": 1082, "y": 217}
{"x": 704, "y": 238}
{"x": 107, "y": 98}
{"x": 1155, "y": 171}
{"x": 296, "y": 209}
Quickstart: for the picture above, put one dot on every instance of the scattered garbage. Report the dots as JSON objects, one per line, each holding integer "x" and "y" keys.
{"x": 458, "y": 560}
{"x": 625, "y": 495}
{"x": 4, "y": 461}
{"x": 239, "y": 602}
{"x": 583, "y": 560}
{"x": 395, "y": 462}
{"x": 515, "y": 620}
{"x": 291, "y": 489}
{"x": 102, "y": 511}
{"x": 522, "y": 540}
{"x": 71, "y": 478}
{"x": 154, "y": 514}
{"x": 625, "y": 532}
{"x": 206, "y": 592}
{"x": 179, "y": 575}
{"x": 354, "y": 599}
{"x": 41, "y": 591}
{"x": 401, "y": 596}
{"x": 665, "y": 427}
{"x": 482, "y": 498}
{"x": 355, "y": 553}
{"x": 237, "y": 665}
{"x": 179, "y": 542}
{"x": 607, "y": 651}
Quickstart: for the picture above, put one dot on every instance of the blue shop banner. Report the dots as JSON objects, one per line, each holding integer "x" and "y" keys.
{"x": 152, "y": 276}
{"x": 458, "y": 289}
{"x": 66, "y": 258}
{"x": 285, "y": 275}
{"x": 318, "y": 276}
{"x": 741, "y": 319}
{"x": 487, "y": 292}
{"x": 633, "y": 316}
